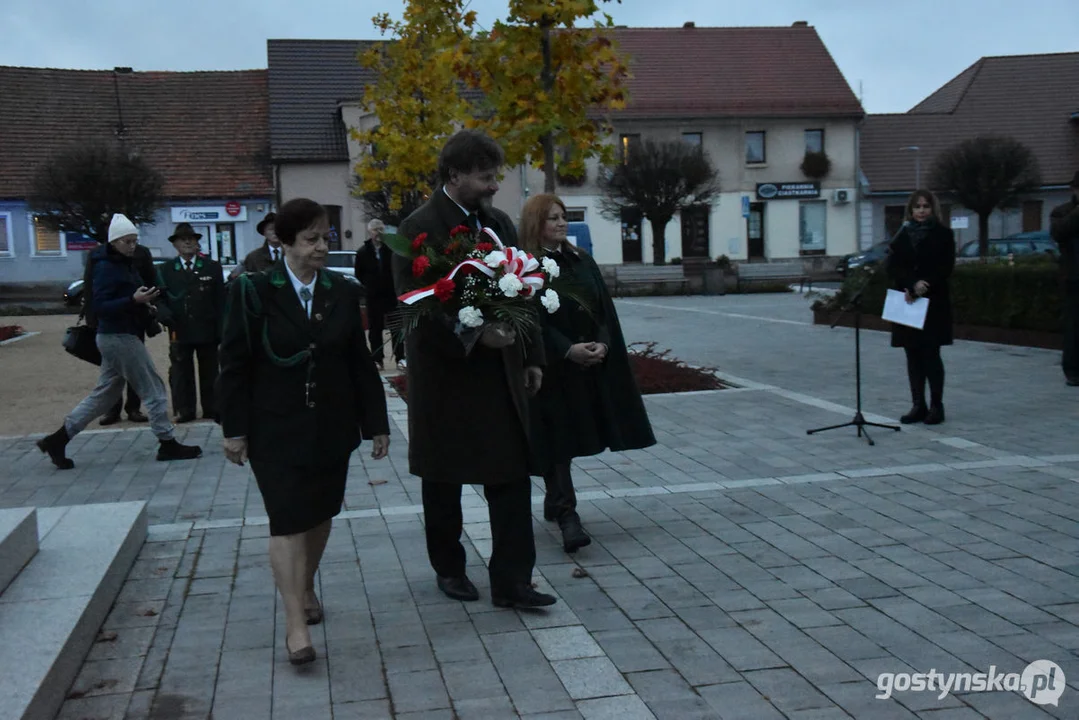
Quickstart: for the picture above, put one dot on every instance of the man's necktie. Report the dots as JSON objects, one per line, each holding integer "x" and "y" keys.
{"x": 187, "y": 265}
{"x": 273, "y": 254}
{"x": 473, "y": 222}
{"x": 306, "y": 296}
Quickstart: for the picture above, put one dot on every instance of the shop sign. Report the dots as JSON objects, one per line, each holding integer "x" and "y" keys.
{"x": 221, "y": 213}
{"x": 786, "y": 191}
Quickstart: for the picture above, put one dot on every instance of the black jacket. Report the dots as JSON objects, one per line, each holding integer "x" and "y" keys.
{"x": 114, "y": 281}
{"x": 580, "y": 410}
{"x": 303, "y": 391}
{"x": 376, "y": 274}
{"x": 932, "y": 260}
{"x": 192, "y": 303}
{"x": 467, "y": 412}
{"x": 1064, "y": 227}
{"x": 142, "y": 261}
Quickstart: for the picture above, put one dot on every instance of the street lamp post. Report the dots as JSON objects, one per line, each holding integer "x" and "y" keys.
{"x": 917, "y": 164}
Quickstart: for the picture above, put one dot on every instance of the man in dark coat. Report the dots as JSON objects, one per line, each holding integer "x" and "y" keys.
{"x": 143, "y": 262}
{"x": 468, "y": 396}
{"x": 374, "y": 268}
{"x": 265, "y": 257}
{"x": 1064, "y": 227}
{"x": 193, "y": 308}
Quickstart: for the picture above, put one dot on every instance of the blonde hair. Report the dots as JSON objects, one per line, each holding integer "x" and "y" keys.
{"x": 534, "y": 218}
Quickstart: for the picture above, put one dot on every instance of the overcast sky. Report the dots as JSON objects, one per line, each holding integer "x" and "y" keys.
{"x": 896, "y": 51}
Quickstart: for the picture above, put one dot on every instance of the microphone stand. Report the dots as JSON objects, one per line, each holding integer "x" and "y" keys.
{"x": 859, "y": 421}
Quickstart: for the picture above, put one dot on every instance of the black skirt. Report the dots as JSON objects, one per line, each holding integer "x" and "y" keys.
{"x": 298, "y": 499}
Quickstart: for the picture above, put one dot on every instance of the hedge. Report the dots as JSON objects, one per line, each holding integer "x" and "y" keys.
{"x": 1021, "y": 295}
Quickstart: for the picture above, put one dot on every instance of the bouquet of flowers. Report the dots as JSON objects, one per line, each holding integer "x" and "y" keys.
{"x": 475, "y": 279}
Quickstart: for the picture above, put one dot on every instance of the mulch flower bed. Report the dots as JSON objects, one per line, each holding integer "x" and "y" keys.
{"x": 10, "y": 331}
{"x": 655, "y": 372}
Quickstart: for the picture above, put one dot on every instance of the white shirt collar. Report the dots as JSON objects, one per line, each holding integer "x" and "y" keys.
{"x": 298, "y": 286}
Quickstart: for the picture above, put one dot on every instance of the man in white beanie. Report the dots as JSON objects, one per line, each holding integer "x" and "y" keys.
{"x": 121, "y": 303}
{"x": 144, "y": 264}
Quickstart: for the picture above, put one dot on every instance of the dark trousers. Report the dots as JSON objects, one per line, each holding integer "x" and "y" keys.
{"x": 561, "y": 499}
{"x": 377, "y": 308}
{"x": 1070, "y": 360}
{"x": 513, "y": 553}
{"x": 182, "y": 377}
{"x": 924, "y": 363}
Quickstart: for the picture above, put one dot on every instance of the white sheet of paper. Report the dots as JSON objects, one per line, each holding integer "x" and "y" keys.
{"x": 898, "y": 310}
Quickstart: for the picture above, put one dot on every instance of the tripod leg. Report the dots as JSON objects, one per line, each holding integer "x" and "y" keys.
{"x": 830, "y": 427}
{"x": 861, "y": 429}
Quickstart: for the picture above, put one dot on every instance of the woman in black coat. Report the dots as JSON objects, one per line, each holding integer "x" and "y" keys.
{"x": 589, "y": 401}
{"x": 920, "y": 261}
{"x": 297, "y": 392}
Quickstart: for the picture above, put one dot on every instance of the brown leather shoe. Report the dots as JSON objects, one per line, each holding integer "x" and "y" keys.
{"x": 302, "y": 656}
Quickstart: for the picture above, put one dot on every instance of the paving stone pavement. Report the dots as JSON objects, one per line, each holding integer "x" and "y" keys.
{"x": 739, "y": 569}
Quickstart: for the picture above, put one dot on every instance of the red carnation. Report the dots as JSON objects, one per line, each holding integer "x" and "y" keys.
{"x": 484, "y": 247}
{"x": 458, "y": 230}
{"x": 420, "y": 265}
{"x": 444, "y": 289}
{"x": 418, "y": 241}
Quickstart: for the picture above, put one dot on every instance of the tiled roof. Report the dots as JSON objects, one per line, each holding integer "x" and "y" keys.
{"x": 677, "y": 72}
{"x": 733, "y": 72}
{"x": 1029, "y": 97}
{"x": 307, "y": 80}
{"x": 206, "y": 132}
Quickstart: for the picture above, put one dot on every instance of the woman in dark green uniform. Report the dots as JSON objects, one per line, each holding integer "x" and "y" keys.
{"x": 589, "y": 401}
{"x": 297, "y": 391}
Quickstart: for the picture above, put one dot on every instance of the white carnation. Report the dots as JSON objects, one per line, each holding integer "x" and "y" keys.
{"x": 510, "y": 285}
{"x": 470, "y": 317}
{"x": 551, "y": 267}
{"x": 494, "y": 259}
{"x": 550, "y": 300}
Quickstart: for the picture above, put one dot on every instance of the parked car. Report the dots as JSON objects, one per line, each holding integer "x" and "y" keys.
{"x": 73, "y": 293}
{"x": 1027, "y": 243}
{"x": 344, "y": 262}
{"x": 866, "y": 258}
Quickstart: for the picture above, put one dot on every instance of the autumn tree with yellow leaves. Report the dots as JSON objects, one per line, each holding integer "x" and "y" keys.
{"x": 547, "y": 85}
{"x": 417, "y": 100}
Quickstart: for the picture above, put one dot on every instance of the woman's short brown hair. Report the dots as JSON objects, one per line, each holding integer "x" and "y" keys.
{"x": 534, "y": 218}
{"x": 928, "y": 197}
{"x": 294, "y": 217}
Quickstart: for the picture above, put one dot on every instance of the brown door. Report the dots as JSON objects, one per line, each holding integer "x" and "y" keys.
{"x": 893, "y": 220}
{"x": 1032, "y": 215}
{"x": 695, "y": 231}
{"x": 631, "y": 235}
{"x": 755, "y": 231}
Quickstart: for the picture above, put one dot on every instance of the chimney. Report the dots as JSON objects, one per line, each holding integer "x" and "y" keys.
{"x": 800, "y": 23}
{"x": 122, "y": 70}
{"x": 690, "y": 24}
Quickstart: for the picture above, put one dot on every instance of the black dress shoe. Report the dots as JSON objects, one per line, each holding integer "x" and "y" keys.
{"x": 110, "y": 419}
{"x": 573, "y": 535}
{"x": 935, "y": 416}
{"x": 916, "y": 414}
{"x": 53, "y": 446}
{"x": 458, "y": 588}
{"x": 522, "y": 596}
{"x": 137, "y": 416}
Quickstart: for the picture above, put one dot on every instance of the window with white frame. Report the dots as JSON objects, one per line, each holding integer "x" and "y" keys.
{"x": 814, "y": 140}
{"x": 46, "y": 241}
{"x": 755, "y": 150}
{"x": 7, "y": 240}
{"x": 575, "y": 214}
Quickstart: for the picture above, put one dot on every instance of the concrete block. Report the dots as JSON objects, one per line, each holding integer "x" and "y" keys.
{"x": 18, "y": 542}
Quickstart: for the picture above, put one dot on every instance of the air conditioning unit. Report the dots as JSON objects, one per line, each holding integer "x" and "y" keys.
{"x": 842, "y": 196}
